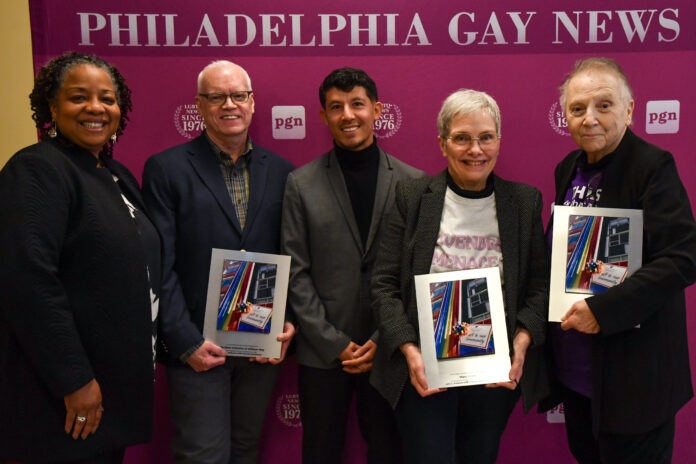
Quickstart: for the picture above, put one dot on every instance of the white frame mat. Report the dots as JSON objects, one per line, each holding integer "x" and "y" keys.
{"x": 238, "y": 343}
{"x": 560, "y": 300}
{"x": 470, "y": 370}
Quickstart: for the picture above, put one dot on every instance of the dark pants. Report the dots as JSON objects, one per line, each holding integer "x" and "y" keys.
{"x": 459, "y": 425}
{"x": 653, "y": 447}
{"x": 325, "y": 398}
{"x": 218, "y": 414}
{"x": 112, "y": 457}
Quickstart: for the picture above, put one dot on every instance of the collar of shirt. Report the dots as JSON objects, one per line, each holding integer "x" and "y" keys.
{"x": 224, "y": 157}
{"x": 487, "y": 191}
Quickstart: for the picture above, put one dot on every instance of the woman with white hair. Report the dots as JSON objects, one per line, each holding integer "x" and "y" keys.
{"x": 465, "y": 201}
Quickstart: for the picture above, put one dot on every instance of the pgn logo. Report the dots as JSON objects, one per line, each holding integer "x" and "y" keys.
{"x": 288, "y": 122}
{"x": 662, "y": 117}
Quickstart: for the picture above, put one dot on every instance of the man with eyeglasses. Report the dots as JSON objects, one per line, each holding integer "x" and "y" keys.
{"x": 219, "y": 190}
{"x": 332, "y": 225}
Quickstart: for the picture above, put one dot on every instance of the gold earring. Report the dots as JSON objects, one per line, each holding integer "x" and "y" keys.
{"x": 114, "y": 137}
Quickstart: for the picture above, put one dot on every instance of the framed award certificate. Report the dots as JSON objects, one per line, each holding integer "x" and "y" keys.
{"x": 245, "y": 307}
{"x": 593, "y": 249}
{"x": 463, "y": 335}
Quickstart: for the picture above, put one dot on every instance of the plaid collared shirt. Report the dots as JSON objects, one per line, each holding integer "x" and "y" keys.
{"x": 236, "y": 177}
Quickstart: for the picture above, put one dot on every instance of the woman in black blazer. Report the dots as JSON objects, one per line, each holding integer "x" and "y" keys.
{"x": 79, "y": 278}
{"x": 462, "y": 218}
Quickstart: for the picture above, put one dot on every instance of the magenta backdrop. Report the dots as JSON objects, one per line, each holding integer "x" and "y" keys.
{"x": 417, "y": 52}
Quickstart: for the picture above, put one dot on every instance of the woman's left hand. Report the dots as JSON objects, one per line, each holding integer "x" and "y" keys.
{"x": 520, "y": 344}
{"x": 83, "y": 410}
{"x": 416, "y": 369}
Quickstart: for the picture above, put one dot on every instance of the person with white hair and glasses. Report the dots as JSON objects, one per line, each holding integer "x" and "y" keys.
{"x": 466, "y": 200}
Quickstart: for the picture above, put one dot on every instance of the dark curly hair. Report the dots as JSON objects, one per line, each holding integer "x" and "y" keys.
{"x": 50, "y": 79}
{"x": 345, "y": 79}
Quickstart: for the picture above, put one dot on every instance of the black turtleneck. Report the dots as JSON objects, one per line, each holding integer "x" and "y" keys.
{"x": 360, "y": 173}
{"x": 471, "y": 193}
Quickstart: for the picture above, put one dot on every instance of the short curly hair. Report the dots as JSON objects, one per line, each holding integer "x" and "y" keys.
{"x": 50, "y": 79}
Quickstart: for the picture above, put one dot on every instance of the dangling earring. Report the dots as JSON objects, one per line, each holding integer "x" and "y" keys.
{"x": 114, "y": 137}
{"x": 52, "y": 132}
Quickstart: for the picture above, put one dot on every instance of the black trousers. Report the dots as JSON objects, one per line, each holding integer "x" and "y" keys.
{"x": 111, "y": 457}
{"x": 325, "y": 398}
{"x": 653, "y": 447}
{"x": 459, "y": 425}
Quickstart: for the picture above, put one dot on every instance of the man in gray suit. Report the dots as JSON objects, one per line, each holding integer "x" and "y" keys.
{"x": 332, "y": 219}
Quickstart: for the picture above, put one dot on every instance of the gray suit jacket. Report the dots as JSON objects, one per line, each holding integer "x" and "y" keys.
{"x": 329, "y": 287}
{"x": 407, "y": 250}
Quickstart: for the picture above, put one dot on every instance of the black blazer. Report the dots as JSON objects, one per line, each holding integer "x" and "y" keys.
{"x": 407, "y": 250}
{"x": 75, "y": 304}
{"x": 640, "y": 376}
{"x": 184, "y": 189}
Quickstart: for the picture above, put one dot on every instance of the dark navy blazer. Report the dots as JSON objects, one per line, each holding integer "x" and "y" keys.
{"x": 185, "y": 191}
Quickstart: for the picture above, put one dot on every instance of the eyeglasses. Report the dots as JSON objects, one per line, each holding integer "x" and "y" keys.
{"x": 218, "y": 98}
{"x": 485, "y": 141}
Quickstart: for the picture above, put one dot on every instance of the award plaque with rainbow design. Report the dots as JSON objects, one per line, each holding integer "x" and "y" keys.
{"x": 461, "y": 321}
{"x": 245, "y": 308}
{"x": 593, "y": 250}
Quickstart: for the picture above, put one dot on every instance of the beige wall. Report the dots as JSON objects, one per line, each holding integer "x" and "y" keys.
{"x": 16, "y": 79}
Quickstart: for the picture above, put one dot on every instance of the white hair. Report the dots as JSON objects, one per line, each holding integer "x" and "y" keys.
{"x": 597, "y": 64}
{"x": 466, "y": 101}
{"x": 222, "y": 64}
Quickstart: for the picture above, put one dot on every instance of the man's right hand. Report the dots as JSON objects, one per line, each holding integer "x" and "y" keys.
{"x": 207, "y": 356}
{"x": 362, "y": 357}
{"x": 349, "y": 353}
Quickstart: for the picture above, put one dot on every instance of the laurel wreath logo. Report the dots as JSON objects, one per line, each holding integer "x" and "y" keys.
{"x": 196, "y": 126}
{"x": 383, "y": 128}
{"x": 553, "y": 122}
{"x": 288, "y": 410}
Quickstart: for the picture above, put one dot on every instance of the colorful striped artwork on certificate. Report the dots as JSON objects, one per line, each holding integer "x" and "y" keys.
{"x": 246, "y": 296}
{"x": 461, "y": 318}
{"x": 597, "y": 257}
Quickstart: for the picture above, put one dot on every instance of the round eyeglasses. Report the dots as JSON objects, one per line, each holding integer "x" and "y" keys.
{"x": 219, "y": 98}
{"x": 487, "y": 140}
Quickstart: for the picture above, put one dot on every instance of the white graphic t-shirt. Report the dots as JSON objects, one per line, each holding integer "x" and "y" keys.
{"x": 468, "y": 237}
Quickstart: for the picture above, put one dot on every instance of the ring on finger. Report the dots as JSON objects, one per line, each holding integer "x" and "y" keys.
{"x": 81, "y": 419}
